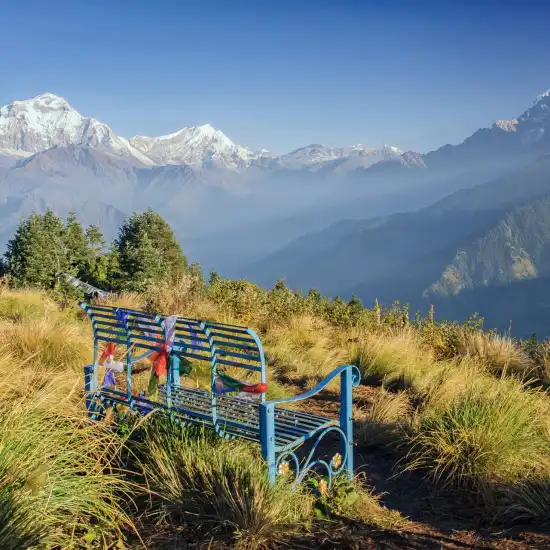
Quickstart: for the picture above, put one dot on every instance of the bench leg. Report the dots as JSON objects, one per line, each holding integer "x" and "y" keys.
{"x": 89, "y": 385}
{"x": 346, "y": 419}
{"x": 267, "y": 438}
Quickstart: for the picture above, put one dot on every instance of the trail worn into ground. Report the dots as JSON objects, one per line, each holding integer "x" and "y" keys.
{"x": 436, "y": 520}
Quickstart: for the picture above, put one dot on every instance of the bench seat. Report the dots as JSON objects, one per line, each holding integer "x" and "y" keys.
{"x": 241, "y": 417}
{"x": 236, "y": 417}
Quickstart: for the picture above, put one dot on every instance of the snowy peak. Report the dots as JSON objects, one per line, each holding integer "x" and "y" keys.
{"x": 201, "y": 146}
{"x": 316, "y": 156}
{"x": 45, "y": 121}
{"x": 545, "y": 96}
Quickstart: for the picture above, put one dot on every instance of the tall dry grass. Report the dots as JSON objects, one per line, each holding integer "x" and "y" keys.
{"x": 56, "y": 478}
{"x": 468, "y": 421}
{"x": 303, "y": 347}
{"x": 396, "y": 359}
{"x": 483, "y": 436}
{"x": 499, "y": 355}
{"x": 483, "y": 439}
{"x": 220, "y": 487}
{"x": 386, "y": 421}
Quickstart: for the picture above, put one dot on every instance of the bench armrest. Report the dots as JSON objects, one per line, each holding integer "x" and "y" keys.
{"x": 355, "y": 375}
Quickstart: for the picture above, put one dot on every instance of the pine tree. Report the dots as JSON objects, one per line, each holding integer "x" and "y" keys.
{"x": 76, "y": 245}
{"x": 148, "y": 251}
{"x": 214, "y": 277}
{"x": 96, "y": 265}
{"x": 37, "y": 252}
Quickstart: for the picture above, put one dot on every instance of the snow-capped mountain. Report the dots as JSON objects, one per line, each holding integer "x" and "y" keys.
{"x": 34, "y": 125}
{"x": 534, "y": 124}
{"x": 38, "y": 124}
{"x": 198, "y": 146}
{"x": 315, "y": 157}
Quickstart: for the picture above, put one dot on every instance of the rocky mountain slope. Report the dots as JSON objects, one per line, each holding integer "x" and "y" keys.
{"x": 487, "y": 236}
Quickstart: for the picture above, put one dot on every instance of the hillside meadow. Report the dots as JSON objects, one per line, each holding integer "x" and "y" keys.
{"x": 444, "y": 409}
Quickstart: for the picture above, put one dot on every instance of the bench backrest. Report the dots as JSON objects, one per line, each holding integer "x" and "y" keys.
{"x": 142, "y": 332}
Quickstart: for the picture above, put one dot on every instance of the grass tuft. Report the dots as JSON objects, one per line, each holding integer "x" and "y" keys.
{"x": 385, "y": 421}
{"x": 203, "y": 480}
{"x": 478, "y": 438}
{"x": 55, "y": 480}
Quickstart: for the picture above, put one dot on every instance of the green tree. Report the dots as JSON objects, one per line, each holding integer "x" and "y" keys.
{"x": 148, "y": 251}
{"x": 76, "y": 246}
{"x": 214, "y": 277}
{"x": 36, "y": 253}
{"x": 96, "y": 266}
{"x": 197, "y": 277}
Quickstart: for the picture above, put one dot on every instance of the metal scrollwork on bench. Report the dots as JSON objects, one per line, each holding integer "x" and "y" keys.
{"x": 302, "y": 468}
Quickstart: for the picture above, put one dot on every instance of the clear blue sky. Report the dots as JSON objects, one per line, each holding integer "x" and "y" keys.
{"x": 282, "y": 74}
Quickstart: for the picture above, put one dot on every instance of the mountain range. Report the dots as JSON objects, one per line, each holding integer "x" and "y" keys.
{"x": 484, "y": 240}
{"x": 376, "y": 222}
{"x": 48, "y": 150}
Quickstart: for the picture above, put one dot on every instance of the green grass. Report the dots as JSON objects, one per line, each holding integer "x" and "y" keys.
{"x": 450, "y": 397}
{"x": 55, "y": 480}
{"x": 480, "y": 440}
{"x": 219, "y": 486}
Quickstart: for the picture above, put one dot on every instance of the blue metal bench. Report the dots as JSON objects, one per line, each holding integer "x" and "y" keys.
{"x": 281, "y": 432}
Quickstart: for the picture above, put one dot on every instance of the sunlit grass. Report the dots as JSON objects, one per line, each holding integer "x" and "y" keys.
{"x": 199, "y": 478}
{"x": 303, "y": 347}
{"x": 482, "y": 437}
{"x": 498, "y": 354}
{"x": 55, "y": 477}
{"x": 385, "y": 420}
{"x": 466, "y": 421}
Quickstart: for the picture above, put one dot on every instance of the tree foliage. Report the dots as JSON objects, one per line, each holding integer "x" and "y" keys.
{"x": 44, "y": 246}
{"x": 37, "y": 251}
{"x": 148, "y": 251}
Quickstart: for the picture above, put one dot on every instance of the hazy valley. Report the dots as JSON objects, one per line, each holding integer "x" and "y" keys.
{"x": 378, "y": 223}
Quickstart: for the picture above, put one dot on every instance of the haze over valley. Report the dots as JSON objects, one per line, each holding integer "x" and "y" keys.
{"x": 376, "y": 222}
